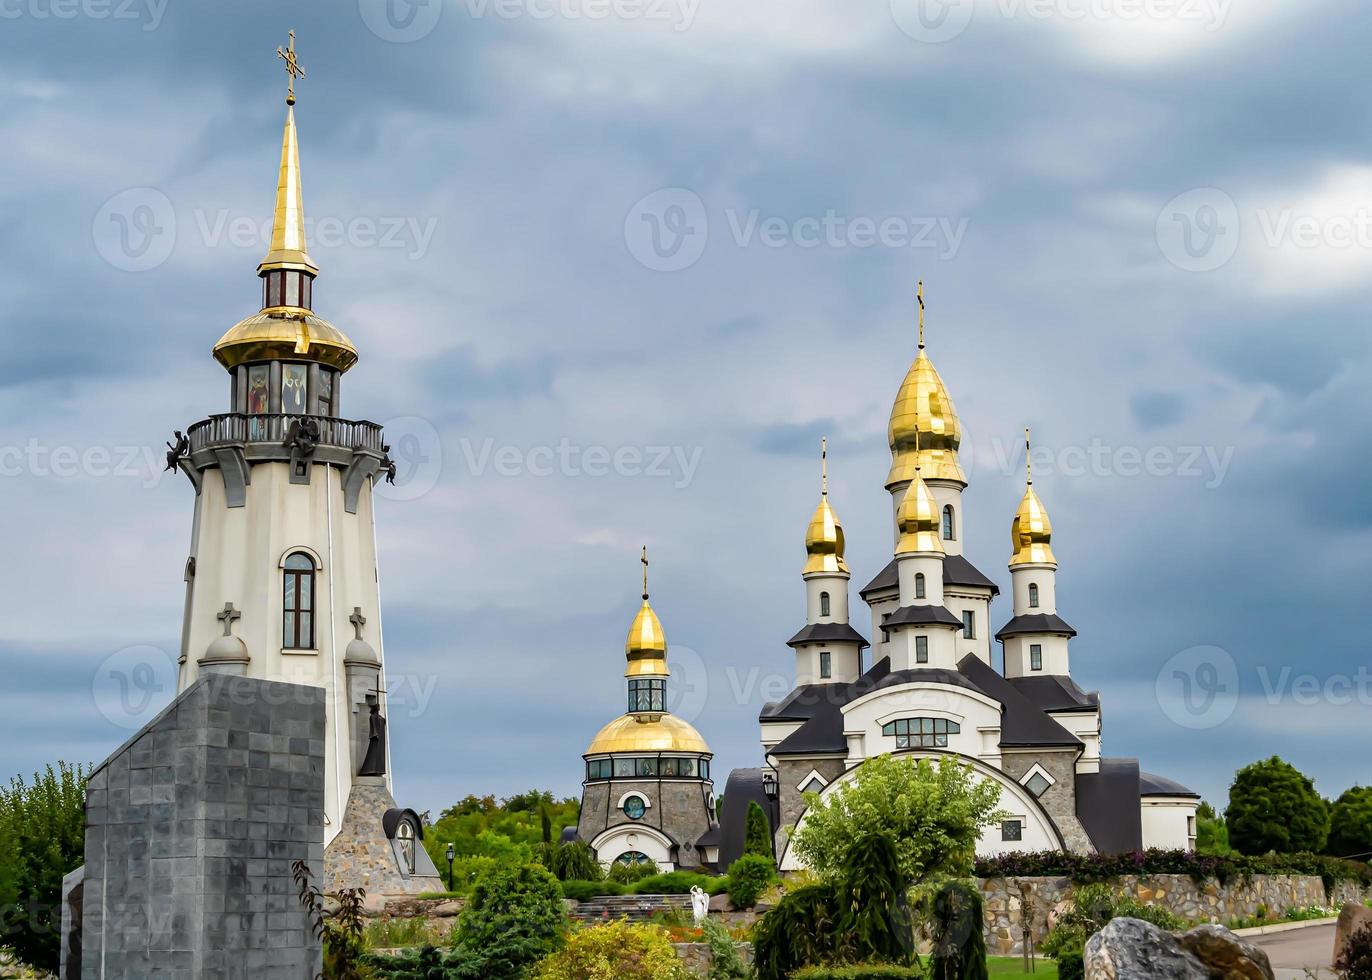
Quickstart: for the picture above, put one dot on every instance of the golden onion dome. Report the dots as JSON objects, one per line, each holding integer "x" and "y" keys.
{"x": 1031, "y": 533}
{"x": 924, "y": 432}
{"x": 632, "y": 733}
{"x": 824, "y": 537}
{"x": 646, "y": 647}
{"x": 287, "y": 332}
{"x": 917, "y": 519}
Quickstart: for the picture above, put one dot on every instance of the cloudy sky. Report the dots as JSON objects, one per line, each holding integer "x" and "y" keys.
{"x": 683, "y": 235}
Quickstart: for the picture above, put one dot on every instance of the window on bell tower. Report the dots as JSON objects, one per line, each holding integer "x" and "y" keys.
{"x": 297, "y": 617}
{"x": 1033, "y": 595}
{"x": 921, "y": 649}
{"x": 947, "y": 522}
{"x": 826, "y": 664}
{"x": 824, "y": 603}
{"x": 919, "y": 585}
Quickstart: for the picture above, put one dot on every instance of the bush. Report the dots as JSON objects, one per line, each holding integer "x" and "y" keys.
{"x": 870, "y": 972}
{"x": 799, "y": 932}
{"x": 573, "y": 861}
{"x": 1092, "y": 907}
{"x": 1091, "y": 868}
{"x": 725, "y": 961}
{"x": 514, "y": 918}
{"x": 757, "y": 832}
{"x": 677, "y": 883}
{"x": 874, "y": 920}
{"x": 1355, "y": 963}
{"x": 618, "y": 951}
{"x": 959, "y": 951}
{"x": 749, "y": 877}
{"x": 627, "y": 874}
{"x": 42, "y": 837}
{"x": 580, "y": 891}
{"x": 1071, "y": 966}
{"x": 1350, "y": 823}
{"x": 1273, "y": 807}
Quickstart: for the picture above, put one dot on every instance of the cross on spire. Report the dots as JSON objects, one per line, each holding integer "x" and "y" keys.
{"x": 644, "y": 559}
{"x": 824, "y": 466}
{"x": 1028, "y": 470}
{"x": 227, "y": 617}
{"x": 293, "y": 69}
{"x": 358, "y": 620}
{"x": 919, "y": 295}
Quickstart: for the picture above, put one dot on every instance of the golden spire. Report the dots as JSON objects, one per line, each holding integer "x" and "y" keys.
{"x": 824, "y": 536}
{"x": 917, "y": 518}
{"x": 923, "y": 414}
{"x": 288, "y": 247}
{"x": 1031, "y": 533}
{"x": 646, "y": 646}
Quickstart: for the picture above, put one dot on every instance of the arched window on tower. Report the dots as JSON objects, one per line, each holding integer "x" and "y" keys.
{"x": 1033, "y": 595}
{"x": 919, "y": 585}
{"x": 824, "y": 603}
{"x": 947, "y": 522}
{"x": 297, "y": 616}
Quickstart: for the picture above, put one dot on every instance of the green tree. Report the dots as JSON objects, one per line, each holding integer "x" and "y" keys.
{"x": 1274, "y": 807}
{"x": 1212, "y": 836}
{"x": 958, "y": 934}
{"x": 620, "y": 950}
{"x": 485, "y": 831}
{"x": 514, "y": 918}
{"x": 1350, "y": 824}
{"x": 932, "y": 813}
{"x": 757, "y": 832}
{"x": 43, "y": 826}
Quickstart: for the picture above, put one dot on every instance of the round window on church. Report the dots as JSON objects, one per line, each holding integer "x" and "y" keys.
{"x": 635, "y": 807}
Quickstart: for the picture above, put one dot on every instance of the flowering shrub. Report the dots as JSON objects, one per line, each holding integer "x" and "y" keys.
{"x": 618, "y": 951}
{"x": 1088, "y": 868}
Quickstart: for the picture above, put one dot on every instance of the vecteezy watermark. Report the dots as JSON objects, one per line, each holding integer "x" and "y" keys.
{"x": 137, "y": 230}
{"x": 936, "y": 21}
{"x": 147, "y": 13}
{"x": 133, "y": 684}
{"x": 675, "y": 463}
{"x": 1199, "y": 230}
{"x": 1099, "y": 459}
{"x": 679, "y": 14}
{"x": 36, "y": 459}
{"x": 416, "y": 453}
{"x": 401, "y": 21}
{"x": 1199, "y": 687}
{"x": 667, "y": 230}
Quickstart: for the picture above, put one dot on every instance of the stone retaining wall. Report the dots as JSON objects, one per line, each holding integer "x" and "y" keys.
{"x": 1179, "y": 894}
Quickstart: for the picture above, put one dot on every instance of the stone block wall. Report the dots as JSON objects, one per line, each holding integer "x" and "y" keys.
{"x": 678, "y": 810}
{"x": 1205, "y": 902}
{"x": 191, "y": 830}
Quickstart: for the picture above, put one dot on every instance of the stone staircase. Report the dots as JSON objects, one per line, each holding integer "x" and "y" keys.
{"x": 635, "y": 908}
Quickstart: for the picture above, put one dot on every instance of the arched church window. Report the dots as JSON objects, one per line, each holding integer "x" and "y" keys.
{"x": 1033, "y": 595}
{"x": 919, "y": 585}
{"x": 404, "y": 834}
{"x": 824, "y": 603}
{"x": 297, "y": 617}
{"x": 632, "y": 858}
{"x": 921, "y": 733}
{"x": 947, "y": 522}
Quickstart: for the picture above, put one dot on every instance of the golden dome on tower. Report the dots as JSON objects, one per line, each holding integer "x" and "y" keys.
{"x": 1031, "y": 533}
{"x": 646, "y": 646}
{"x": 824, "y": 536}
{"x": 924, "y": 432}
{"x": 633, "y": 733}
{"x": 917, "y": 519}
{"x": 285, "y": 333}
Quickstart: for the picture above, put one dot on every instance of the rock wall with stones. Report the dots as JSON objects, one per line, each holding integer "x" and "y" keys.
{"x": 677, "y": 808}
{"x": 1204, "y": 902}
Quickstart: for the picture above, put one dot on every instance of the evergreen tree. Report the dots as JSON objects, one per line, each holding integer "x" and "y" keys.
{"x": 757, "y": 834}
{"x": 959, "y": 951}
{"x": 1350, "y": 824}
{"x": 1274, "y": 807}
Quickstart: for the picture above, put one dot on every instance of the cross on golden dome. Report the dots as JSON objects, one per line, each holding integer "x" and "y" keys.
{"x": 293, "y": 69}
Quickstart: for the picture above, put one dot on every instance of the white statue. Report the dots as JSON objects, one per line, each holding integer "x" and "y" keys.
{"x": 700, "y": 904}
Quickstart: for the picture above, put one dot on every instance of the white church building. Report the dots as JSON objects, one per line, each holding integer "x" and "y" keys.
{"x": 929, "y": 689}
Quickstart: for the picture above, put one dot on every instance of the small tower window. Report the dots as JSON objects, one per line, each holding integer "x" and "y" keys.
{"x": 297, "y": 619}
{"x": 826, "y": 664}
{"x": 1035, "y": 656}
{"x": 921, "y": 649}
{"x": 405, "y": 835}
{"x": 919, "y": 585}
{"x": 824, "y": 604}
{"x": 647, "y": 695}
{"x": 969, "y": 624}
{"x": 947, "y": 522}
{"x": 1033, "y": 595}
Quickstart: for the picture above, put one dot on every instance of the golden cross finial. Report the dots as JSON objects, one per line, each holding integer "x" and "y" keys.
{"x": 1028, "y": 472}
{"x": 293, "y": 69}
{"x": 824, "y": 465}
{"x": 644, "y": 559}
{"x": 919, "y": 295}
{"x": 916, "y": 450}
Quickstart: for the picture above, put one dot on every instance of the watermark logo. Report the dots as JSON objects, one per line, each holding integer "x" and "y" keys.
{"x": 1199, "y": 230}
{"x": 1198, "y": 688}
{"x": 667, "y": 230}
{"x": 37, "y": 459}
{"x": 415, "y": 457}
{"x": 568, "y": 459}
{"x": 401, "y": 21}
{"x": 135, "y": 230}
{"x": 932, "y": 21}
{"x": 148, "y": 13}
{"x": 133, "y": 684}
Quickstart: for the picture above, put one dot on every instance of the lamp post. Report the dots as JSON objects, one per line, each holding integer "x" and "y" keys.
{"x": 452, "y": 853}
{"x": 769, "y": 789}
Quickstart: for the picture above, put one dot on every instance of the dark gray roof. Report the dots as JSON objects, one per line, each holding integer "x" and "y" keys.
{"x": 1108, "y": 806}
{"x": 921, "y": 615}
{"x": 828, "y": 633}
{"x": 957, "y": 570}
{"x": 1055, "y": 692}
{"x": 711, "y": 837}
{"x": 743, "y": 787}
{"x": 1151, "y": 784}
{"x": 1022, "y": 723}
{"x": 569, "y": 835}
{"x": 1035, "y": 623}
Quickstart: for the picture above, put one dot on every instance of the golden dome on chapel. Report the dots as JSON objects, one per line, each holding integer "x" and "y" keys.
{"x": 632, "y": 733}
{"x": 824, "y": 535}
{"x": 917, "y": 519}
{"x": 924, "y": 432}
{"x": 285, "y": 333}
{"x": 1031, "y": 533}
{"x": 646, "y": 646}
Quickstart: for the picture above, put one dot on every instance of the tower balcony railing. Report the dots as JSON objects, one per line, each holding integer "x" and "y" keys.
{"x": 238, "y": 429}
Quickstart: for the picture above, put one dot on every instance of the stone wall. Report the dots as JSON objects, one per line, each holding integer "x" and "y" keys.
{"x": 790, "y": 800}
{"x": 1060, "y": 799}
{"x": 1179, "y": 894}
{"x": 678, "y": 809}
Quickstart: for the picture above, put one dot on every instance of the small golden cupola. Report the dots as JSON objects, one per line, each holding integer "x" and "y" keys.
{"x": 646, "y": 647}
{"x": 917, "y": 519}
{"x": 824, "y": 537}
{"x": 1031, "y": 533}
{"x": 924, "y": 432}
{"x": 286, "y": 328}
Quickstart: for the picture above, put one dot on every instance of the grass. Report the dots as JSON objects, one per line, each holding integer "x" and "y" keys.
{"x": 1013, "y": 966}
{"x": 402, "y": 933}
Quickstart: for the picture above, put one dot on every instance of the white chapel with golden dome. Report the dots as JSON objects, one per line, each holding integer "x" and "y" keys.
{"x": 929, "y": 687}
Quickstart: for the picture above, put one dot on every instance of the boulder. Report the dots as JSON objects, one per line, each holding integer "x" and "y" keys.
{"x": 721, "y": 903}
{"x": 446, "y": 910}
{"x": 1227, "y": 954}
{"x": 1131, "y": 949}
{"x": 1352, "y": 917}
